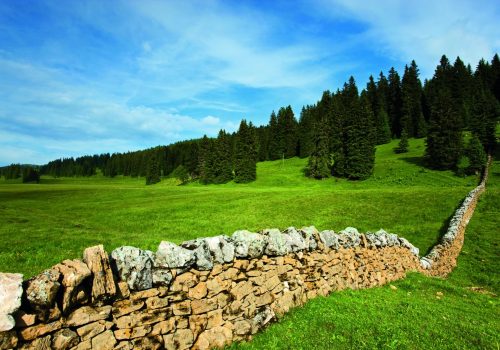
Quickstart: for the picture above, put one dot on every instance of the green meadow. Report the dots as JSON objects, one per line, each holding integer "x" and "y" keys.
{"x": 42, "y": 224}
{"x": 56, "y": 219}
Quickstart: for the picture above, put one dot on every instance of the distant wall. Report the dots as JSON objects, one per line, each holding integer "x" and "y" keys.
{"x": 206, "y": 292}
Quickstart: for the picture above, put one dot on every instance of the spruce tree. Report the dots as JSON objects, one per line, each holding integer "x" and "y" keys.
{"x": 378, "y": 109}
{"x": 360, "y": 135}
{"x": 319, "y": 162}
{"x": 206, "y": 162}
{"x": 153, "y": 171}
{"x": 412, "y": 116}
{"x": 485, "y": 115}
{"x": 30, "y": 174}
{"x": 394, "y": 102}
{"x": 222, "y": 163}
{"x": 403, "y": 143}
{"x": 306, "y": 132}
{"x": 245, "y": 162}
{"x": 444, "y": 137}
{"x": 275, "y": 138}
{"x": 477, "y": 156}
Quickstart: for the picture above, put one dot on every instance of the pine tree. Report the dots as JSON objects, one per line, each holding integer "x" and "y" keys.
{"x": 394, "y": 102}
{"x": 245, "y": 162}
{"x": 30, "y": 174}
{"x": 275, "y": 138}
{"x": 206, "y": 161}
{"x": 403, "y": 143}
{"x": 476, "y": 154}
{"x": 485, "y": 115}
{"x": 319, "y": 162}
{"x": 306, "y": 132}
{"x": 222, "y": 163}
{"x": 444, "y": 138}
{"x": 378, "y": 109}
{"x": 412, "y": 118}
{"x": 153, "y": 171}
{"x": 360, "y": 136}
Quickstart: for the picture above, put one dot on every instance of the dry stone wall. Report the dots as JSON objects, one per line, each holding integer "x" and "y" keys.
{"x": 206, "y": 292}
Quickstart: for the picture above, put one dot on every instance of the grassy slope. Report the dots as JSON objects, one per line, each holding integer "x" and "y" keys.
{"x": 44, "y": 224}
{"x": 414, "y": 316}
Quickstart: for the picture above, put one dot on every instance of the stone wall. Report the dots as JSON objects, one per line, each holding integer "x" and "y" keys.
{"x": 206, "y": 292}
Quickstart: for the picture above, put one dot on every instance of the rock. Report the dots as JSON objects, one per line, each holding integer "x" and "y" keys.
{"x": 38, "y": 344}
{"x": 202, "y": 306}
{"x": 204, "y": 260}
{"x": 104, "y": 341}
{"x": 294, "y": 240}
{"x": 87, "y": 314}
{"x": 130, "y": 333}
{"x": 262, "y": 318}
{"x": 64, "y": 339}
{"x": 170, "y": 255}
{"x": 242, "y": 289}
{"x": 134, "y": 266}
{"x": 214, "y": 319}
{"x": 199, "y": 291}
{"x": 84, "y": 345}
{"x": 39, "y": 330}
{"x": 248, "y": 244}
{"x": 41, "y": 292}
{"x": 276, "y": 243}
{"x": 180, "y": 340}
{"x": 11, "y": 291}
{"x": 162, "y": 277}
{"x": 144, "y": 318}
{"x": 349, "y": 237}
{"x": 243, "y": 327}
{"x": 221, "y": 248}
{"x": 182, "y": 308}
{"x": 90, "y": 330}
{"x": 103, "y": 284}
{"x": 309, "y": 234}
{"x": 8, "y": 340}
{"x": 330, "y": 239}
{"x": 216, "y": 337}
{"x": 425, "y": 263}
{"x": 7, "y": 322}
{"x": 24, "y": 320}
{"x": 73, "y": 272}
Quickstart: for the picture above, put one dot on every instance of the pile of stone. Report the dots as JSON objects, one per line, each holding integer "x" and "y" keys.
{"x": 203, "y": 293}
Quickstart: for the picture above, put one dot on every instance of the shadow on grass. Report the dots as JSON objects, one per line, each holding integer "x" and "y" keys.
{"x": 415, "y": 160}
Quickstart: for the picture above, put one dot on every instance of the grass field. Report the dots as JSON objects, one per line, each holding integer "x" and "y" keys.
{"x": 55, "y": 220}
{"x": 415, "y": 315}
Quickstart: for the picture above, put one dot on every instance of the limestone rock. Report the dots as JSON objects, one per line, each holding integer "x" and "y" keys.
{"x": 199, "y": 291}
{"x": 11, "y": 291}
{"x": 103, "y": 284}
{"x": 41, "y": 292}
{"x": 39, "y": 330}
{"x": 90, "y": 330}
{"x": 180, "y": 340}
{"x": 162, "y": 277}
{"x": 294, "y": 240}
{"x": 330, "y": 239}
{"x": 199, "y": 247}
{"x": 310, "y": 235}
{"x": 38, "y": 344}
{"x": 170, "y": 255}
{"x": 216, "y": 337}
{"x": 64, "y": 339}
{"x": 134, "y": 266}
{"x": 7, "y": 322}
{"x": 8, "y": 340}
{"x": 262, "y": 318}
{"x": 87, "y": 314}
{"x": 276, "y": 243}
{"x": 221, "y": 248}
{"x": 24, "y": 320}
{"x": 349, "y": 237}
{"x": 130, "y": 333}
{"x": 203, "y": 306}
{"x": 248, "y": 244}
{"x": 104, "y": 341}
{"x": 73, "y": 272}
{"x": 242, "y": 327}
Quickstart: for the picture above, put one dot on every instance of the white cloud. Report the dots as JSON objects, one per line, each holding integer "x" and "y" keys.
{"x": 425, "y": 29}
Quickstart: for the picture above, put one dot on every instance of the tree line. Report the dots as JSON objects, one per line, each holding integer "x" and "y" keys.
{"x": 338, "y": 133}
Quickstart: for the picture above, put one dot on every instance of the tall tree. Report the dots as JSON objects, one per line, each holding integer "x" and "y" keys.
{"x": 306, "y": 132}
{"x": 245, "y": 162}
{"x": 485, "y": 115}
{"x": 275, "y": 138}
{"x": 477, "y": 156}
{"x": 444, "y": 137}
{"x": 394, "y": 102}
{"x": 379, "y": 112}
{"x": 318, "y": 166}
{"x": 206, "y": 162}
{"x": 412, "y": 118}
{"x": 222, "y": 162}
{"x": 153, "y": 171}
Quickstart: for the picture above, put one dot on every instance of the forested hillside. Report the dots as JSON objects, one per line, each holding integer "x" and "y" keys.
{"x": 338, "y": 133}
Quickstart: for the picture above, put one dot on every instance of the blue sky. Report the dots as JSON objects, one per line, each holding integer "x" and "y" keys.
{"x": 83, "y": 77}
